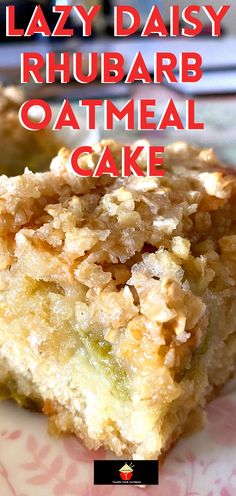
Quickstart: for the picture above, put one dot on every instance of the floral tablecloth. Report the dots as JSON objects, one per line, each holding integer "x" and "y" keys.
{"x": 33, "y": 464}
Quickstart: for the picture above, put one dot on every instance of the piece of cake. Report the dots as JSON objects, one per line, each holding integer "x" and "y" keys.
{"x": 20, "y": 148}
{"x": 118, "y": 298}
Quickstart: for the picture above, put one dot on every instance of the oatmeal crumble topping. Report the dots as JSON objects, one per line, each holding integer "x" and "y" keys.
{"x": 64, "y": 228}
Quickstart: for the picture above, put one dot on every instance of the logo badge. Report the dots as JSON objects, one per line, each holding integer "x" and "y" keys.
{"x": 126, "y": 471}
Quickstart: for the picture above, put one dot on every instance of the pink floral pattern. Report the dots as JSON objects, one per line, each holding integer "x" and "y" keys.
{"x": 222, "y": 422}
{"x": 33, "y": 463}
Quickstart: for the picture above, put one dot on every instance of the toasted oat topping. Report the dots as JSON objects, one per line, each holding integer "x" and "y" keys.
{"x": 141, "y": 253}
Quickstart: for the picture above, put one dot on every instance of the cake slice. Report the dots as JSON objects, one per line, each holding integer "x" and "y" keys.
{"x": 18, "y": 146}
{"x": 118, "y": 298}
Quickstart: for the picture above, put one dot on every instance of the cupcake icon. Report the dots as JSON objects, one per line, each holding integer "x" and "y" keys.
{"x": 126, "y": 471}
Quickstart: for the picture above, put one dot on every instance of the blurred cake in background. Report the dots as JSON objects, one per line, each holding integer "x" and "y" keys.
{"x": 20, "y": 148}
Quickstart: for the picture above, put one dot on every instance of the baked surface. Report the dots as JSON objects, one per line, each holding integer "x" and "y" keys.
{"x": 118, "y": 297}
{"x": 20, "y": 148}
